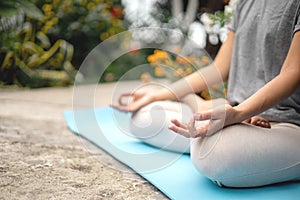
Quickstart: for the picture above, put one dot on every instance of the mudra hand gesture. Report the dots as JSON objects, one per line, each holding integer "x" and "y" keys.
{"x": 135, "y": 100}
{"x": 207, "y": 122}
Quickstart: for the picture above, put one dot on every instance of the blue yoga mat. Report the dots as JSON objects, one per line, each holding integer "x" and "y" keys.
{"x": 170, "y": 172}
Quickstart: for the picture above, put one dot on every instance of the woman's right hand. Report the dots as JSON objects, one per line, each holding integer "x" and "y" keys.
{"x": 136, "y": 100}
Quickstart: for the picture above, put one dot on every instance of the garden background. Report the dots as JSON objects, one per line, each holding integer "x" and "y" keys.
{"x": 42, "y": 45}
{"x": 44, "y": 42}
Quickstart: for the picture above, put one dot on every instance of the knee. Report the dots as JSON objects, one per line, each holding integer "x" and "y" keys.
{"x": 211, "y": 160}
{"x": 154, "y": 118}
{"x": 204, "y": 161}
{"x": 150, "y": 125}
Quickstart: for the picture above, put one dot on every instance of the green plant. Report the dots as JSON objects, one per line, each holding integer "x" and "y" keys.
{"x": 27, "y": 56}
{"x": 216, "y": 24}
{"x": 10, "y": 9}
{"x": 91, "y": 21}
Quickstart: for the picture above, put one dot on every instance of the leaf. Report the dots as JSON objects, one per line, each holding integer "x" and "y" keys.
{"x": 30, "y": 9}
{"x": 8, "y": 12}
{"x": 45, "y": 42}
{"x": 6, "y": 4}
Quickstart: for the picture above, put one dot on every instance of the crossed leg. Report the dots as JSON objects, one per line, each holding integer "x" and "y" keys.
{"x": 249, "y": 156}
{"x": 237, "y": 156}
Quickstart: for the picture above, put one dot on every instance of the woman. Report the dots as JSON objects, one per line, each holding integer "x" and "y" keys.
{"x": 261, "y": 61}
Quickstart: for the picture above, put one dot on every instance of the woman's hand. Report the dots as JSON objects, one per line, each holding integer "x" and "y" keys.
{"x": 207, "y": 123}
{"x": 135, "y": 100}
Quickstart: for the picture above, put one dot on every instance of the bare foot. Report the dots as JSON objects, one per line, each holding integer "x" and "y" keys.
{"x": 258, "y": 121}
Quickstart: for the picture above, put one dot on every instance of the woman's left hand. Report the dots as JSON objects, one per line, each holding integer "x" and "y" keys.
{"x": 207, "y": 123}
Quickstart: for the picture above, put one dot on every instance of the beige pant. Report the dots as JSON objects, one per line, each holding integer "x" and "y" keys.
{"x": 244, "y": 155}
{"x": 241, "y": 155}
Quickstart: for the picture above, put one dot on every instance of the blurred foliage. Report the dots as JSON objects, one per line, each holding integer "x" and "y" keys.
{"x": 12, "y": 8}
{"x": 174, "y": 66}
{"x": 32, "y": 61}
{"x": 37, "y": 38}
{"x": 27, "y": 56}
{"x": 121, "y": 68}
{"x": 44, "y": 42}
{"x": 83, "y": 23}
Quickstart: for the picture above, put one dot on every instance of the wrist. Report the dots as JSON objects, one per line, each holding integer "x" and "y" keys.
{"x": 241, "y": 113}
{"x": 156, "y": 96}
{"x": 160, "y": 95}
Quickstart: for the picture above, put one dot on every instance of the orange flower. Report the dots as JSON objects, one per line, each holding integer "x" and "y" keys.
{"x": 191, "y": 57}
{"x": 161, "y": 54}
{"x": 182, "y": 60}
{"x": 180, "y": 72}
{"x": 188, "y": 70}
{"x": 151, "y": 59}
{"x": 158, "y": 71}
{"x": 145, "y": 77}
{"x": 205, "y": 59}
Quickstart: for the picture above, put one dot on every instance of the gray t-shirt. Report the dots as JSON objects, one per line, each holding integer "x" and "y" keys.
{"x": 264, "y": 30}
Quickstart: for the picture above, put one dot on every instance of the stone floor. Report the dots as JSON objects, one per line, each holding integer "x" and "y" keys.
{"x": 42, "y": 159}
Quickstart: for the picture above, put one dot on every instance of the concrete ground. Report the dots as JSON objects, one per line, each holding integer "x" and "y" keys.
{"x": 42, "y": 159}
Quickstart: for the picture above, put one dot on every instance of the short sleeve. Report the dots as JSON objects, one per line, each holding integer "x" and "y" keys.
{"x": 233, "y": 25}
{"x": 234, "y": 21}
{"x": 297, "y": 23}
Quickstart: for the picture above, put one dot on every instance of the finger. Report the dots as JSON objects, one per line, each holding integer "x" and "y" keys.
{"x": 248, "y": 120}
{"x": 179, "y": 124}
{"x": 192, "y": 128}
{"x": 206, "y": 115}
{"x": 264, "y": 124}
{"x": 130, "y": 107}
{"x": 268, "y": 125}
{"x": 179, "y": 130}
{"x": 201, "y": 131}
{"x": 214, "y": 126}
{"x": 201, "y": 128}
{"x": 217, "y": 113}
{"x": 120, "y": 108}
{"x": 255, "y": 121}
{"x": 122, "y": 96}
{"x": 192, "y": 122}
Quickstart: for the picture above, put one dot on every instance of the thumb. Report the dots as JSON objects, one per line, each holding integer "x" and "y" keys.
{"x": 212, "y": 114}
{"x": 205, "y": 115}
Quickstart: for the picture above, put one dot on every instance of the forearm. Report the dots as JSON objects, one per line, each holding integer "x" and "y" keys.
{"x": 276, "y": 90}
{"x": 195, "y": 82}
{"x": 204, "y": 78}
